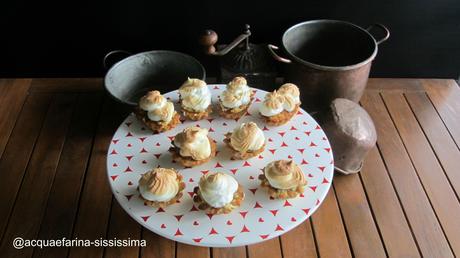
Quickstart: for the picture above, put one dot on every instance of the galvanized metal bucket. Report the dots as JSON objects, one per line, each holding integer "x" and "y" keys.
{"x": 328, "y": 59}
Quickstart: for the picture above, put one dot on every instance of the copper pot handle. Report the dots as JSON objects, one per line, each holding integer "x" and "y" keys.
{"x": 382, "y": 27}
{"x": 111, "y": 53}
{"x": 272, "y": 49}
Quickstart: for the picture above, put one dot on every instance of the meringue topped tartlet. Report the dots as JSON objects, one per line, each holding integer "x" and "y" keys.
{"x": 246, "y": 141}
{"x": 218, "y": 193}
{"x": 161, "y": 187}
{"x": 281, "y": 105}
{"x": 156, "y": 112}
{"x": 195, "y": 99}
{"x": 193, "y": 147}
{"x": 283, "y": 179}
{"x": 235, "y": 100}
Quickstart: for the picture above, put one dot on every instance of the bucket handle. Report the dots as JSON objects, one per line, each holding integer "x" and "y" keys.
{"x": 272, "y": 49}
{"x": 111, "y": 53}
{"x": 382, "y": 27}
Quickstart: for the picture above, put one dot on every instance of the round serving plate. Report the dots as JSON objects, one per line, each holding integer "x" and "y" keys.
{"x": 135, "y": 150}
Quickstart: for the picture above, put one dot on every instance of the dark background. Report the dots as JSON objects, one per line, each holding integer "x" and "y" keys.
{"x": 70, "y": 38}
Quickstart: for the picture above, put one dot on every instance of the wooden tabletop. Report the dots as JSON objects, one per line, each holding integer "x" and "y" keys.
{"x": 54, "y": 135}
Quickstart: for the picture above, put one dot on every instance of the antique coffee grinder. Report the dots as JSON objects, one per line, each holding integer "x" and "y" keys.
{"x": 241, "y": 58}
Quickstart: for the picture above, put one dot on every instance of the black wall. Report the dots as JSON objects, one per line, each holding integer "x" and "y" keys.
{"x": 69, "y": 38}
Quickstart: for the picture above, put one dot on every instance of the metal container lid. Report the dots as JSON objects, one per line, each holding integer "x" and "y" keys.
{"x": 351, "y": 132}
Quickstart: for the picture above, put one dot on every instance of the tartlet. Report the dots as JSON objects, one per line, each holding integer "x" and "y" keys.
{"x": 283, "y": 179}
{"x": 246, "y": 141}
{"x": 156, "y": 112}
{"x": 280, "y": 105}
{"x": 161, "y": 187}
{"x": 193, "y": 147}
{"x": 218, "y": 193}
{"x": 236, "y": 99}
{"x": 195, "y": 99}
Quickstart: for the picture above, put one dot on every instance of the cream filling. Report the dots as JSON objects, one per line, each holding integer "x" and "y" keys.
{"x": 267, "y": 111}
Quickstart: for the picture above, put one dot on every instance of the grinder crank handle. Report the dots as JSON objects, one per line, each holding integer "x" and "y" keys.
{"x": 209, "y": 38}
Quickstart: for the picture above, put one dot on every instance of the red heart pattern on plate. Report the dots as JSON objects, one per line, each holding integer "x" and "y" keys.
{"x": 134, "y": 150}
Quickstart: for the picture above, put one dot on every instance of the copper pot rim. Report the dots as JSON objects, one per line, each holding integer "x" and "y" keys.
{"x": 325, "y": 67}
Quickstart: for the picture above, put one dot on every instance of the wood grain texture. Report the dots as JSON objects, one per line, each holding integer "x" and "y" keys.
{"x": 445, "y": 95}
{"x": 365, "y": 239}
{"x": 15, "y": 159}
{"x": 96, "y": 197}
{"x": 299, "y": 242}
{"x": 435, "y": 183}
{"x": 394, "y": 84}
{"x": 438, "y": 136}
{"x": 67, "y": 85}
{"x": 428, "y": 233}
{"x": 328, "y": 228}
{"x": 186, "y": 251}
{"x": 122, "y": 226}
{"x": 233, "y": 252}
{"x": 12, "y": 96}
{"x": 270, "y": 248}
{"x": 404, "y": 202}
{"x": 388, "y": 213}
{"x": 32, "y": 198}
{"x": 64, "y": 196}
{"x": 157, "y": 246}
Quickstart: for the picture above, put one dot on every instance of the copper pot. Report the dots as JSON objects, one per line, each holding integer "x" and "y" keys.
{"x": 328, "y": 59}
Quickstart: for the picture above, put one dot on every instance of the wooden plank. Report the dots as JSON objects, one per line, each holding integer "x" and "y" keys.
{"x": 187, "y": 251}
{"x": 63, "y": 200}
{"x": 122, "y": 226}
{"x": 422, "y": 219}
{"x": 435, "y": 183}
{"x": 12, "y": 98}
{"x": 438, "y": 136}
{"x": 231, "y": 252}
{"x": 362, "y": 232}
{"x": 445, "y": 95}
{"x": 14, "y": 161}
{"x": 270, "y": 248}
{"x": 31, "y": 201}
{"x": 67, "y": 85}
{"x": 387, "y": 210}
{"x": 299, "y": 242}
{"x": 157, "y": 246}
{"x": 96, "y": 197}
{"x": 394, "y": 84}
{"x": 329, "y": 230}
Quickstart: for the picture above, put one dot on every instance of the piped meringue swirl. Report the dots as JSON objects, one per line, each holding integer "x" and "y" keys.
{"x": 287, "y": 97}
{"x": 157, "y": 107}
{"x": 291, "y": 94}
{"x": 247, "y": 137}
{"x": 284, "y": 174}
{"x": 273, "y": 104}
{"x": 236, "y": 94}
{"x": 217, "y": 189}
{"x": 159, "y": 185}
{"x": 193, "y": 142}
{"x": 195, "y": 95}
